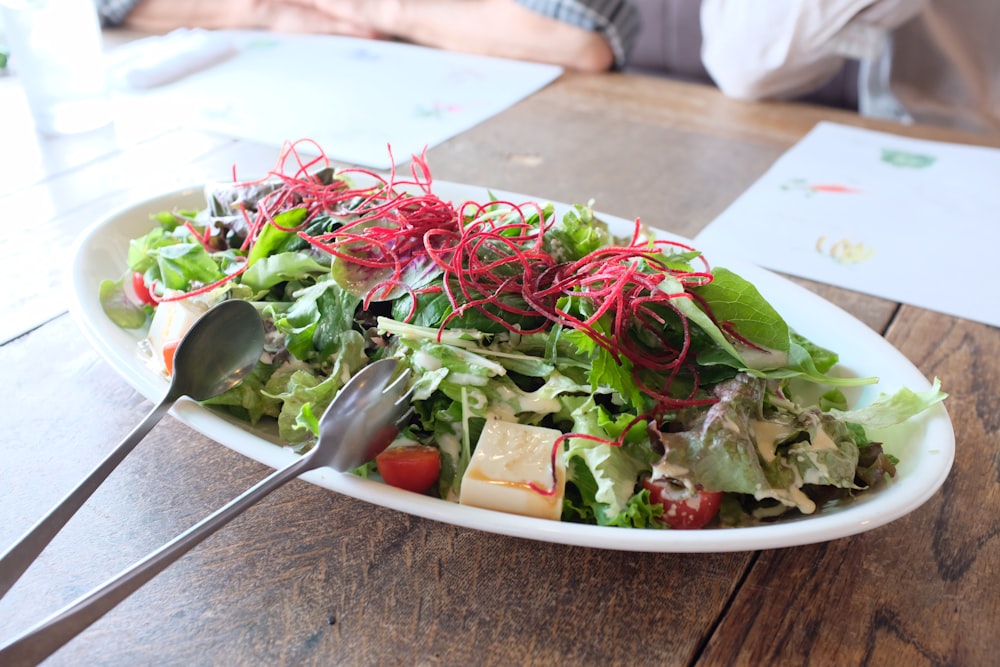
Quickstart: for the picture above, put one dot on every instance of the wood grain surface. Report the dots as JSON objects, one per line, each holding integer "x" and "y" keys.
{"x": 312, "y": 578}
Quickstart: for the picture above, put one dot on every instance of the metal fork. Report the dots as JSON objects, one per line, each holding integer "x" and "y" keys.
{"x": 362, "y": 421}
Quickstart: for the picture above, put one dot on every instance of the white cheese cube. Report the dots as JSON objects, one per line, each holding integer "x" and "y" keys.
{"x": 171, "y": 321}
{"x": 511, "y": 471}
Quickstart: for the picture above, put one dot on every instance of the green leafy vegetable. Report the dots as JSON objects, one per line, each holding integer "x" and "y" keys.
{"x": 655, "y": 366}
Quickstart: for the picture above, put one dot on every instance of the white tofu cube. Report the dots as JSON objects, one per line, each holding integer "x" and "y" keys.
{"x": 511, "y": 471}
{"x": 171, "y": 321}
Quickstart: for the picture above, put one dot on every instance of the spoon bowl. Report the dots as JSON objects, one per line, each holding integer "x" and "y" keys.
{"x": 219, "y": 350}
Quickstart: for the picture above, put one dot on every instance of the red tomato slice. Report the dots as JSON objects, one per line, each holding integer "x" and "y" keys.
{"x": 141, "y": 291}
{"x": 169, "y": 350}
{"x": 682, "y": 509}
{"x": 411, "y": 467}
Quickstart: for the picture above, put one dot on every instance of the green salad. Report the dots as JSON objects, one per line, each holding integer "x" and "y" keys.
{"x": 653, "y": 389}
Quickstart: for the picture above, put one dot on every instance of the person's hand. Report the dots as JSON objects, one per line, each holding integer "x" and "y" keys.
{"x": 514, "y": 31}
{"x": 337, "y": 17}
{"x": 292, "y": 16}
{"x": 455, "y": 25}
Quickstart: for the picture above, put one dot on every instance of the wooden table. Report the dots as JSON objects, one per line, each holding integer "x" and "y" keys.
{"x": 312, "y": 578}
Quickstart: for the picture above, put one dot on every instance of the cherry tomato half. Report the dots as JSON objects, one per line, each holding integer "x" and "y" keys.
{"x": 169, "y": 350}
{"x": 139, "y": 286}
{"x": 682, "y": 509}
{"x": 410, "y": 467}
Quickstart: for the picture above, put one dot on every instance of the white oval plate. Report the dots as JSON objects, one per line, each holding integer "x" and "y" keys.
{"x": 925, "y": 447}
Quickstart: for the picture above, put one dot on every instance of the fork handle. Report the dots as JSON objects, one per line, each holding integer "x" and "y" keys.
{"x": 39, "y": 642}
{"x": 21, "y": 555}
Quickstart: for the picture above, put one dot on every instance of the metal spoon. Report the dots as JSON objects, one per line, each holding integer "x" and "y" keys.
{"x": 217, "y": 352}
{"x": 363, "y": 420}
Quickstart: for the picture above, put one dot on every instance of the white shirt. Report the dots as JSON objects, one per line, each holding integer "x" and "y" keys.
{"x": 934, "y": 61}
{"x": 784, "y": 48}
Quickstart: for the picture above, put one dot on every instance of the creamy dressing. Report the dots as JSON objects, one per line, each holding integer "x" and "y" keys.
{"x": 819, "y": 473}
{"x": 528, "y": 401}
{"x": 762, "y": 359}
{"x": 450, "y": 446}
{"x": 664, "y": 469}
{"x": 468, "y": 379}
{"x": 821, "y": 441}
{"x": 475, "y": 399}
{"x": 428, "y": 362}
{"x": 767, "y": 435}
{"x": 503, "y": 412}
{"x": 730, "y": 425}
{"x": 791, "y": 497}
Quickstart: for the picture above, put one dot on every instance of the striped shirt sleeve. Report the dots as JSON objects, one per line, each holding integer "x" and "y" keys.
{"x": 113, "y": 12}
{"x": 617, "y": 20}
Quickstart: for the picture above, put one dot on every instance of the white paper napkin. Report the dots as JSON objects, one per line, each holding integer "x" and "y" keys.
{"x": 155, "y": 61}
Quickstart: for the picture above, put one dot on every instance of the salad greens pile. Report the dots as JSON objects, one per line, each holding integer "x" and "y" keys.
{"x": 667, "y": 371}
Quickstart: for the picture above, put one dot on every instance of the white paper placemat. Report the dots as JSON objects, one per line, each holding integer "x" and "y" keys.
{"x": 353, "y": 97}
{"x": 910, "y": 220}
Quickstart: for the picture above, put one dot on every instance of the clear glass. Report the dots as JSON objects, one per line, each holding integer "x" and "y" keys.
{"x": 56, "y": 51}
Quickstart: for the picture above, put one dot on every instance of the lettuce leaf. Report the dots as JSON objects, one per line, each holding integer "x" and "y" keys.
{"x": 314, "y": 323}
{"x": 273, "y": 270}
{"x": 576, "y": 234}
{"x": 119, "y": 308}
{"x": 720, "y": 448}
{"x": 605, "y": 475}
{"x": 736, "y": 301}
{"x": 297, "y": 385}
{"x": 889, "y": 410}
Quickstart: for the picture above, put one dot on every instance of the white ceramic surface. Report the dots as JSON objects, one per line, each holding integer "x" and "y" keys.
{"x": 925, "y": 446}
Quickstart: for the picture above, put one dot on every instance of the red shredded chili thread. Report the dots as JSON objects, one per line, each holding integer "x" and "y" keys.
{"x": 206, "y": 288}
{"x": 202, "y": 237}
{"x": 493, "y": 262}
{"x": 492, "y": 259}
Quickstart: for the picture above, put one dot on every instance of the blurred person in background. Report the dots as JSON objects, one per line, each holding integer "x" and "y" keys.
{"x": 586, "y": 35}
{"x": 933, "y": 61}
{"x": 925, "y": 60}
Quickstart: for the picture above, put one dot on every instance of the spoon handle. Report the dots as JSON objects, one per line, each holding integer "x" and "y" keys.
{"x": 21, "y": 555}
{"x": 41, "y": 641}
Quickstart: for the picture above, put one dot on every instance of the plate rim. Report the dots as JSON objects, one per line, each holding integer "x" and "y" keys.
{"x": 899, "y": 498}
